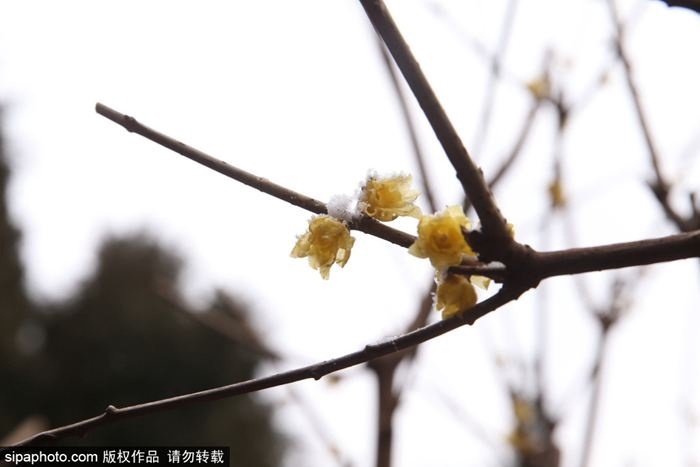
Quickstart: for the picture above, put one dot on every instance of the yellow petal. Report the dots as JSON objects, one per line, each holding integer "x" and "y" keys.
{"x": 454, "y": 295}
{"x": 440, "y": 238}
{"x": 540, "y": 88}
{"x": 327, "y": 242}
{"x": 385, "y": 199}
{"x": 556, "y": 194}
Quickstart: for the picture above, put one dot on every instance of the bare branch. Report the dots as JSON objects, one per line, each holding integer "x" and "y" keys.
{"x": 363, "y": 224}
{"x": 316, "y": 371}
{"x": 523, "y": 275}
{"x": 410, "y": 127}
{"x": 319, "y": 428}
{"x": 517, "y": 146}
{"x": 634, "y": 92}
{"x": 388, "y": 398}
{"x": 617, "y": 255}
{"x": 660, "y": 186}
{"x": 693, "y": 5}
{"x": 469, "y": 175}
{"x": 607, "y": 319}
{"x": 495, "y": 75}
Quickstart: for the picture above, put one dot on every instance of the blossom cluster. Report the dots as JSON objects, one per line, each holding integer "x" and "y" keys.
{"x": 440, "y": 237}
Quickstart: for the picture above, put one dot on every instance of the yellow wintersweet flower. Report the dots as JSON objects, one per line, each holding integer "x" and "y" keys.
{"x": 327, "y": 241}
{"x": 440, "y": 238}
{"x": 556, "y": 194}
{"x": 455, "y": 294}
{"x": 524, "y": 437}
{"x": 385, "y": 199}
{"x": 540, "y": 87}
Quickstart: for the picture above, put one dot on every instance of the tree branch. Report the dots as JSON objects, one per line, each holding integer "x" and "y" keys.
{"x": 410, "y": 126}
{"x": 388, "y": 398}
{"x": 469, "y": 175}
{"x": 494, "y": 76}
{"x": 660, "y": 187}
{"x": 316, "y": 371}
{"x": 617, "y": 255}
{"x": 363, "y": 224}
{"x": 693, "y": 5}
{"x": 517, "y": 146}
{"x": 607, "y": 320}
{"x": 534, "y": 267}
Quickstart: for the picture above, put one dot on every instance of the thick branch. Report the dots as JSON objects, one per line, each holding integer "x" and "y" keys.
{"x": 468, "y": 173}
{"x": 364, "y": 224}
{"x": 617, "y": 255}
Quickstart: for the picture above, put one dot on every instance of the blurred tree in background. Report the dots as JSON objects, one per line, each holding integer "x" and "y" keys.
{"x": 14, "y": 308}
{"x": 126, "y": 337}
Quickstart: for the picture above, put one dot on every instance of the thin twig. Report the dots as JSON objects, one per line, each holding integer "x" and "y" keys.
{"x": 319, "y": 427}
{"x": 315, "y": 371}
{"x": 461, "y": 415}
{"x": 493, "y": 271}
{"x": 470, "y": 41}
{"x": 517, "y": 145}
{"x": 363, "y": 224}
{"x": 469, "y": 175}
{"x": 223, "y": 325}
{"x": 418, "y": 154}
{"x": 594, "y": 404}
{"x": 607, "y": 319}
{"x": 388, "y": 397}
{"x": 557, "y": 205}
{"x": 660, "y": 187}
{"x": 693, "y": 5}
{"x": 494, "y": 76}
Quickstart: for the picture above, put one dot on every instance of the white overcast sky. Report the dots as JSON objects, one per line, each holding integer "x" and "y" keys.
{"x": 295, "y": 92}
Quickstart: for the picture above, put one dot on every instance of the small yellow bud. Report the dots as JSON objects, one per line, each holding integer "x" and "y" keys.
{"x": 440, "y": 238}
{"x": 556, "y": 194}
{"x": 327, "y": 241}
{"x": 385, "y": 199}
{"x": 454, "y": 295}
